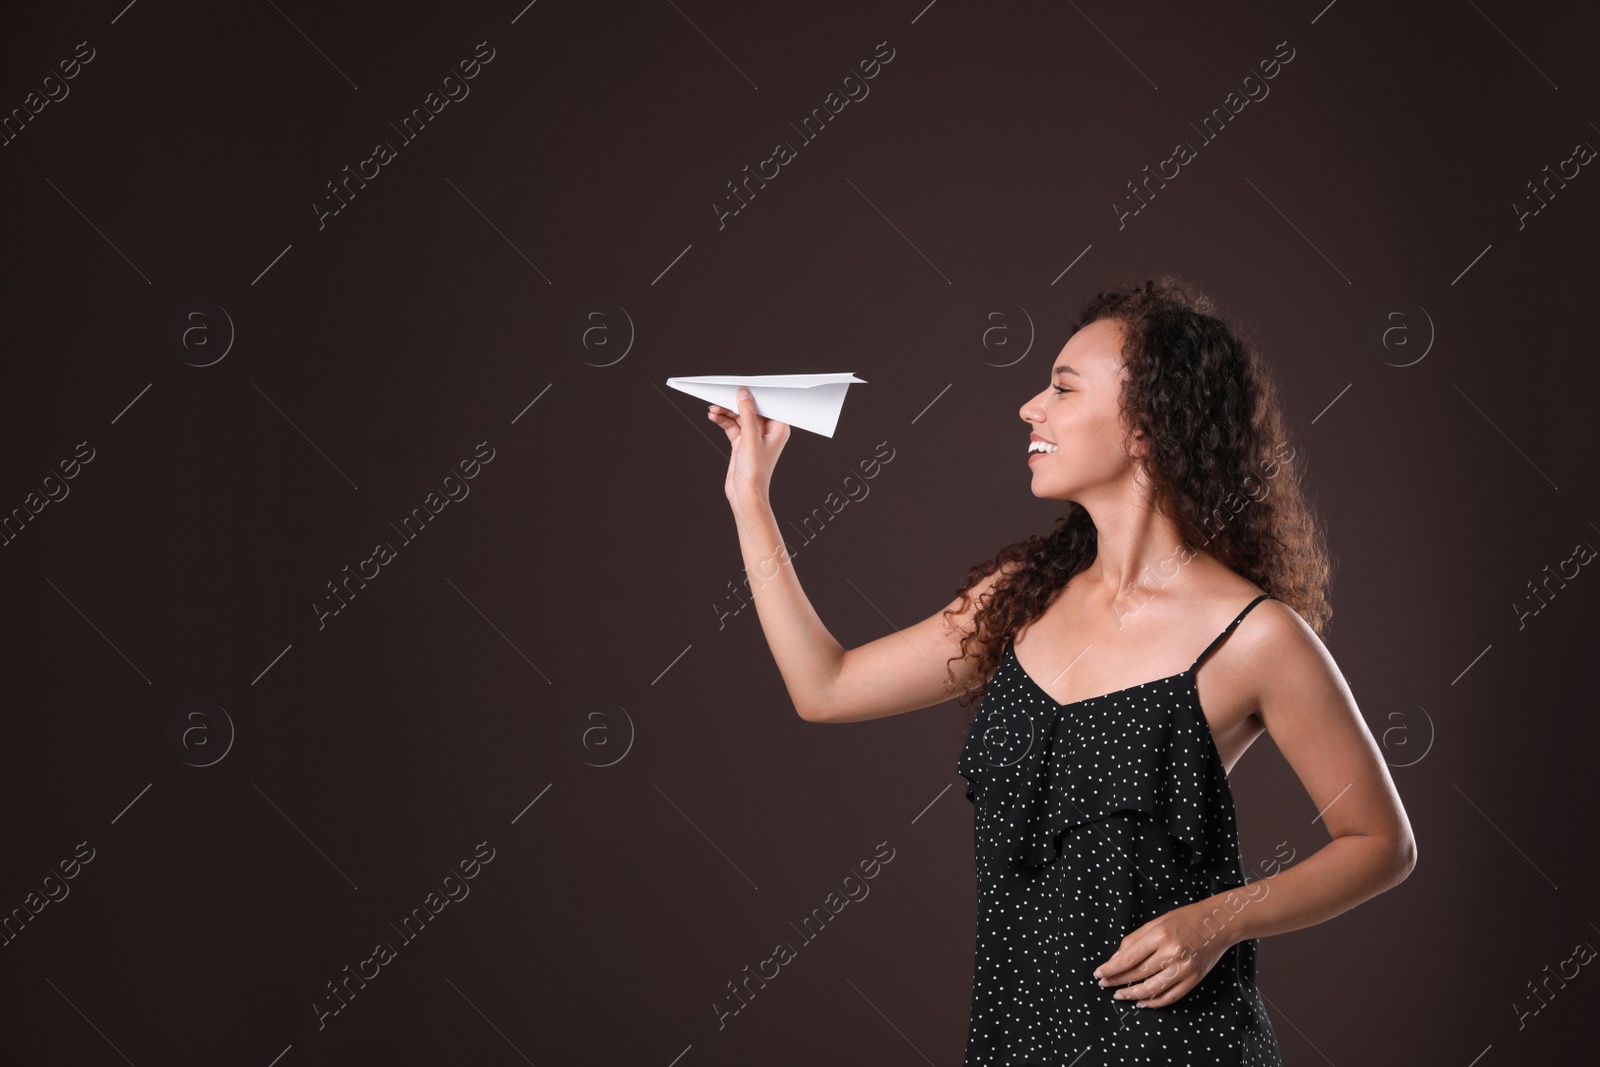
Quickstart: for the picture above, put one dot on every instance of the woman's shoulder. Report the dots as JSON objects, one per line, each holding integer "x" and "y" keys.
{"x": 1225, "y": 594}
{"x": 1271, "y": 631}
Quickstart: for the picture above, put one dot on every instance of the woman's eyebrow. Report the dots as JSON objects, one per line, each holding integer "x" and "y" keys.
{"x": 1064, "y": 369}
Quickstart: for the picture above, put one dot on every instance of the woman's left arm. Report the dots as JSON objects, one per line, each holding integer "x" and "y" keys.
{"x": 1302, "y": 698}
{"x": 1308, "y": 709}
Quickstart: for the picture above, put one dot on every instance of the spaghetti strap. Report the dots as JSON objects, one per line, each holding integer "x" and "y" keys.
{"x": 1236, "y": 620}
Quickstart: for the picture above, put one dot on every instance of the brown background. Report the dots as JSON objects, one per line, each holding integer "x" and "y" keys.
{"x": 573, "y": 609}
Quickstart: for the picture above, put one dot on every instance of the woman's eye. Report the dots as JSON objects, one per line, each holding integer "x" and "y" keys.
{"x": 1060, "y": 389}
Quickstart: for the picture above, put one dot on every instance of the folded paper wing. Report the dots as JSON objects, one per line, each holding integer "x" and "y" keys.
{"x": 809, "y": 401}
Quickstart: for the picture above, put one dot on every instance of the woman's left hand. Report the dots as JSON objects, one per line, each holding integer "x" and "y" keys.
{"x": 1166, "y": 957}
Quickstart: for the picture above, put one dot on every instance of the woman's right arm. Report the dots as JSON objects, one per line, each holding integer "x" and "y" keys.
{"x": 900, "y": 672}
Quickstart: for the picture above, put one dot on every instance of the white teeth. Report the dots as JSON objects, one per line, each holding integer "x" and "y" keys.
{"x": 1041, "y": 446}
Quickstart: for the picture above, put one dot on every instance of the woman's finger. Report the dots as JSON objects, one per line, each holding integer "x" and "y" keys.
{"x": 1150, "y": 985}
{"x": 1177, "y": 989}
{"x": 1120, "y": 967}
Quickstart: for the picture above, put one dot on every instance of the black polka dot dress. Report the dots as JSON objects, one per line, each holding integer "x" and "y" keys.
{"x": 1092, "y": 818}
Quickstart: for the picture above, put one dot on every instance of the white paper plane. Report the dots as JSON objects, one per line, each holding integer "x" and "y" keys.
{"x": 809, "y": 401}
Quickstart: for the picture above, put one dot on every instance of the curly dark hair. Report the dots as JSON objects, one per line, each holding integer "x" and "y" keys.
{"x": 1199, "y": 393}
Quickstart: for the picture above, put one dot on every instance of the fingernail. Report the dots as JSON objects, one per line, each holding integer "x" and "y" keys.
{"x": 744, "y": 394}
{"x": 1097, "y": 972}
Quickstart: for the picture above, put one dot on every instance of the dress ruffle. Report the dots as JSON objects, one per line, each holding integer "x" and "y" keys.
{"x": 1057, "y": 771}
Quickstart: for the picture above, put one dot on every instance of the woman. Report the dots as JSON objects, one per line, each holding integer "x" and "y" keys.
{"x": 1115, "y": 923}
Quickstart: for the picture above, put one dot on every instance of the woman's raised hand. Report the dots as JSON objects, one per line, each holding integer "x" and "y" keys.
{"x": 757, "y": 442}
